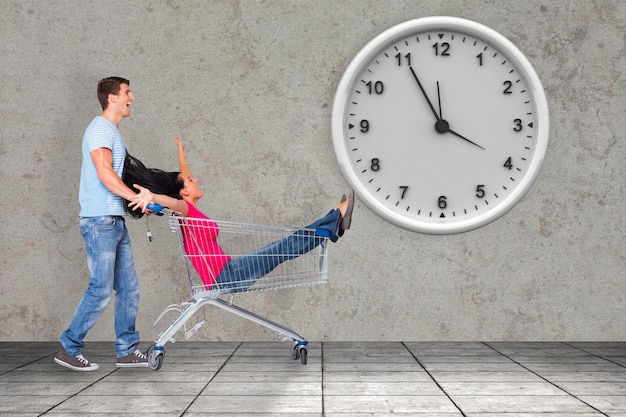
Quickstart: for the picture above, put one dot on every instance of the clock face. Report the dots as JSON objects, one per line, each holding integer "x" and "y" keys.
{"x": 440, "y": 125}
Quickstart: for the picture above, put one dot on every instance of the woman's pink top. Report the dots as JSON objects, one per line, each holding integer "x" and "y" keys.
{"x": 200, "y": 243}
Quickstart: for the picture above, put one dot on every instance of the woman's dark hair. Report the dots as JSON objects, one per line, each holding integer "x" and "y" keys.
{"x": 154, "y": 179}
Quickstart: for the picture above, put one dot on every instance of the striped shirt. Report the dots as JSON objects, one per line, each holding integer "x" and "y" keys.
{"x": 95, "y": 199}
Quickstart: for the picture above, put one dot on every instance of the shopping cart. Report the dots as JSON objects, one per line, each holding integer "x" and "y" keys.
{"x": 203, "y": 261}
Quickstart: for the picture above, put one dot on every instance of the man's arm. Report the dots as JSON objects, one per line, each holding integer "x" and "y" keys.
{"x": 103, "y": 160}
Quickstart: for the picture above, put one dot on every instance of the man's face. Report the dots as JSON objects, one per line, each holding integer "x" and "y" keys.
{"x": 122, "y": 100}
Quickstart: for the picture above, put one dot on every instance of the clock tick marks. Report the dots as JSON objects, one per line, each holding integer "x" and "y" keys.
{"x": 373, "y": 113}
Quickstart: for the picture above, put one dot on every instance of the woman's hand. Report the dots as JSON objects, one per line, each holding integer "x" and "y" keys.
{"x": 181, "y": 148}
{"x": 143, "y": 198}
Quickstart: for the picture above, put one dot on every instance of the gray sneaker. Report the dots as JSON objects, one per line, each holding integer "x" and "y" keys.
{"x": 134, "y": 360}
{"x": 76, "y": 363}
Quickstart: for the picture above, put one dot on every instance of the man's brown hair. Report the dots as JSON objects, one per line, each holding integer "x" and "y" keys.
{"x": 110, "y": 85}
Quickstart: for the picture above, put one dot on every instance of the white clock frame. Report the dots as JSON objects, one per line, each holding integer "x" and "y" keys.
{"x": 354, "y": 74}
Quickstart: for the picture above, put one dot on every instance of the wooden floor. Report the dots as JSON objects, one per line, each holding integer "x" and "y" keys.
{"x": 439, "y": 379}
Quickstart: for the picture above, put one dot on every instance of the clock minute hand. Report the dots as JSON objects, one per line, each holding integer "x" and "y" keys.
{"x": 424, "y": 93}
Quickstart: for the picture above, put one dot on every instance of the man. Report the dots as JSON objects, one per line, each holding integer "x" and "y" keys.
{"x": 109, "y": 253}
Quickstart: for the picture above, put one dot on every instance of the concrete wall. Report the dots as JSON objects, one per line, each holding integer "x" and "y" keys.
{"x": 249, "y": 86}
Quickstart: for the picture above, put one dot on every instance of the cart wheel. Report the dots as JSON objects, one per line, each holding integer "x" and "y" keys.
{"x": 155, "y": 358}
{"x": 303, "y": 355}
{"x": 295, "y": 352}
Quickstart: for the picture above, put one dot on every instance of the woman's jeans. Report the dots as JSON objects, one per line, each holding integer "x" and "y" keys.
{"x": 240, "y": 273}
{"x": 111, "y": 267}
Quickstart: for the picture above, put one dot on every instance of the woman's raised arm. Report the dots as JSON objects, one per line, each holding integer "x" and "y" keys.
{"x": 185, "y": 171}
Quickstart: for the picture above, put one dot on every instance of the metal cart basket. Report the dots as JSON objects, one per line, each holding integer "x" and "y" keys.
{"x": 267, "y": 267}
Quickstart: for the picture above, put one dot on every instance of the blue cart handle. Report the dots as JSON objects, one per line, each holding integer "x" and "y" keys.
{"x": 156, "y": 208}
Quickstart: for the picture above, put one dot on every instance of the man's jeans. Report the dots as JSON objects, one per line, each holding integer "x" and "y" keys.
{"x": 240, "y": 273}
{"x": 111, "y": 267}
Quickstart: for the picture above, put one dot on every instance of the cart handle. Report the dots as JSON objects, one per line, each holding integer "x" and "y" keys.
{"x": 156, "y": 208}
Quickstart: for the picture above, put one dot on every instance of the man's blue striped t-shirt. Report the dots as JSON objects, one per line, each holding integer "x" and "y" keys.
{"x": 95, "y": 199}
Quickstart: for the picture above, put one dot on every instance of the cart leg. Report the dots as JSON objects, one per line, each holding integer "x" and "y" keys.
{"x": 299, "y": 344}
{"x": 179, "y": 322}
{"x": 278, "y": 328}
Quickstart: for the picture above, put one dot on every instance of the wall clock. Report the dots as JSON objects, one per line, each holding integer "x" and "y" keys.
{"x": 440, "y": 124}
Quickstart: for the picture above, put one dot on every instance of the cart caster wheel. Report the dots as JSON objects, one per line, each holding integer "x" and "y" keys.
{"x": 298, "y": 351}
{"x": 295, "y": 351}
{"x": 155, "y": 358}
{"x": 303, "y": 356}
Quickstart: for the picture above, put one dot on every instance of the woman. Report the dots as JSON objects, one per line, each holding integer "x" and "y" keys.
{"x": 179, "y": 191}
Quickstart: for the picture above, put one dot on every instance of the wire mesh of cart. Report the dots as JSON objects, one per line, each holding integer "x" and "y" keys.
{"x": 224, "y": 258}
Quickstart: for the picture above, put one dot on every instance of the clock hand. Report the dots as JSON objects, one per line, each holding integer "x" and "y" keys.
{"x": 439, "y": 98}
{"x": 464, "y": 138}
{"x": 424, "y": 93}
{"x": 442, "y": 126}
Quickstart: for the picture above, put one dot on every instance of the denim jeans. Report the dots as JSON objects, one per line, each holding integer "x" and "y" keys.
{"x": 240, "y": 273}
{"x": 111, "y": 267}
